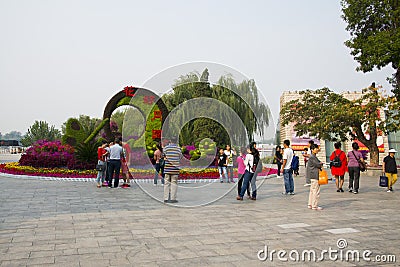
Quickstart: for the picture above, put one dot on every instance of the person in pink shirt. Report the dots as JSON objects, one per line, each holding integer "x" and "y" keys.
{"x": 241, "y": 170}
{"x": 354, "y": 157}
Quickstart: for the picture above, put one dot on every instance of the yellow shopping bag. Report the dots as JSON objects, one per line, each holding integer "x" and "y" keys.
{"x": 323, "y": 177}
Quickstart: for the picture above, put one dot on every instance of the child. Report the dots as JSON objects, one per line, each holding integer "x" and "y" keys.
{"x": 313, "y": 167}
{"x": 222, "y": 163}
{"x": 389, "y": 167}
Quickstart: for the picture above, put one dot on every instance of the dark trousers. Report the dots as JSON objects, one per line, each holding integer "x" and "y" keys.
{"x": 279, "y": 167}
{"x": 240, "y": 183}
{"x": 159, "y": 171}
{"x": 107, "y": 172}
{"x": 246, "y": 180}
{"x": 354, "y": 178}
{"x": 114, "y": 166}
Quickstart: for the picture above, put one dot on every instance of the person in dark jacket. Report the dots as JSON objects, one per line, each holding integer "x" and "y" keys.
{"x": 389, "y": 167}
{"x": 314, "y": 165}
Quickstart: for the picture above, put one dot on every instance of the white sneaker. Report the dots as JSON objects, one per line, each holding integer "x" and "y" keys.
{"x": 307, "y": 185}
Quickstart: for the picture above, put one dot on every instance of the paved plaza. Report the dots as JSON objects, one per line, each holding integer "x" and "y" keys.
{"x": 59, "y": 223}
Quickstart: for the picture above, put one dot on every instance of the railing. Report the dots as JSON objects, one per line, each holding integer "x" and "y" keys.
{"x": 12, "y": 150}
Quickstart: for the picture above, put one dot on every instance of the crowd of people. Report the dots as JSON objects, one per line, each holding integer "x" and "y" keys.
{"x": 112, "y": 158}
{"x": 340, "y": 163}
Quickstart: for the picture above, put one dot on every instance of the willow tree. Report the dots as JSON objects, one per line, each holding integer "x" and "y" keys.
{"x": 242, "y": 98}
{"x": 330, "y": 116}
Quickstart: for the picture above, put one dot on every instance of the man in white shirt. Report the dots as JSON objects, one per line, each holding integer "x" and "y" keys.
{"x": 287, "y": 168}
{"x": 116, "y": 153}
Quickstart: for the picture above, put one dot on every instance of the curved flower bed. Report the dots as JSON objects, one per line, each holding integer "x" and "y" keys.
{"x": 187, "y": 173}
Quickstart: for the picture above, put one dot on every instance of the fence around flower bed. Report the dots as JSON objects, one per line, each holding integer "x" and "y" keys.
{"x": 185, "y": 174}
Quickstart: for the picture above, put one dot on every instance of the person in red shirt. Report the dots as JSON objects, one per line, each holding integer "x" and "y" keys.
{"x": 339, "y": 171}
{"x": 101, "y": 160}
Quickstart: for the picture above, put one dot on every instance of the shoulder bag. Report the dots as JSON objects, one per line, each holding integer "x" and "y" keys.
{"x": 360, "y": 163}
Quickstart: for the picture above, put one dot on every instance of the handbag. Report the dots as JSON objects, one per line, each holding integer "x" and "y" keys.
{"x": 100, "y": 167}
{"x": 361, "y": 164}
{"x": 323, "y": 177}
{"x": 383, "y": 180}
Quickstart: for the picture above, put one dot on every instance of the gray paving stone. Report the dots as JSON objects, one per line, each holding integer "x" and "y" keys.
{"x": 73, "y": 223}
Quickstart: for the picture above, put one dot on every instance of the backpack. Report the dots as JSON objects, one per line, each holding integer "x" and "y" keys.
{"x": 336, "y": 162}
{"x": 295, "y": 162}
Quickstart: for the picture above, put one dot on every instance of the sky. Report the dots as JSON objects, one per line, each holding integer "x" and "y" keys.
{"x": 60, "y": 59}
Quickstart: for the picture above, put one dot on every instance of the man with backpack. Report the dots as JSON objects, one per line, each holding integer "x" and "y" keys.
{"x": 287, "y": 168}
{"x": 295, "y": 164}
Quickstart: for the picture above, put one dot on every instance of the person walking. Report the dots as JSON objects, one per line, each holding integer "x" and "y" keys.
{"x": 116, "y": 154}
{"x": 338, "y": 166}
{"x": 159, "y": 164}
{"x": 229, "y": 165}
{"x": 241, "y": 171}
{"x": 354, "y": 157}
{"x": 101, "y": 161}
{"x": 287, "y": 168}
{"x": 221, "y": 163}
{"x": 389, "y": 167}
{"x": 278, "y": 159}
{"x": 173, "y": 157}
{"x": 248, "y": 174}
{"x": 314, "y": 166}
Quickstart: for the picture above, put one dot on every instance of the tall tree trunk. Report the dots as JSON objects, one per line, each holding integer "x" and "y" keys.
{"x": 374, "y": 154}
{"x": 396, "y": 90}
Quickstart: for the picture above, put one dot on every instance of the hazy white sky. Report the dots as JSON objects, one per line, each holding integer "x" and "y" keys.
{"x": 60, "y": 58}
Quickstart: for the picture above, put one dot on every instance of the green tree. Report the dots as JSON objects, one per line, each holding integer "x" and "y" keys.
{"x": 118, "y": 117}
{"x": 40, "y": 130}
{"x": 242, "y": 98}
{"x": 330, "y": 116}
{"x": 374, "y": 26}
